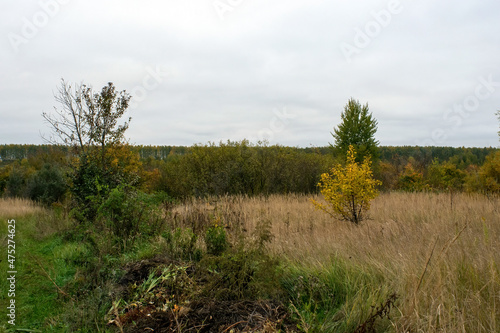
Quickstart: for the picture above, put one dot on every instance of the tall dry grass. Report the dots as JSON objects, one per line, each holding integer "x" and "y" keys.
{"x": 15, "y": 207}
{"x": 36, "y": 220}
{"x": 441, "y": 260}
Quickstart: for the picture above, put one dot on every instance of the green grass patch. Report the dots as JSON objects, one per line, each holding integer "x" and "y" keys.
{"x": 338, "y": 296}
{"x": 39, "y": 303}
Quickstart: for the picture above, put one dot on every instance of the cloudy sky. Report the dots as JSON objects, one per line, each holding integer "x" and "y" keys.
{"x": 282, "y": 71}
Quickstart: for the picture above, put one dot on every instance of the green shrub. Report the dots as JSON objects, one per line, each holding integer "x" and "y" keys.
{"x": 48, "y": 185}
{"x": 242, "y": 273}
{"x": 128, "y": 214}
{"x": 490, "y": 173}
{"x": 445, "y": 176}
{"x": 16, "y": 184}
{"x": 182, "y": 244}
{"x": 216, "y": 240}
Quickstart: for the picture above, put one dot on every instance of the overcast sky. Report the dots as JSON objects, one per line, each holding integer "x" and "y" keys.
{"x": 211, "y": 70}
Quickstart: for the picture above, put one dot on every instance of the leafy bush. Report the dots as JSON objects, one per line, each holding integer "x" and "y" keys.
{"x": 242, "y": 273}
{"x": 15, "y": 184}
{"x": 127, "y": 214}
{"x": 348, "y": 190}
{"x": 411, "y": 180}
{"x": 18, "y": 175}
{"x": 48, "y": 185}
{"x": 490, "y": 173}
{"x": 88, "y": 189}
{"x": 216, "y": 240}
{"x": 241, "y": 168}
{"x": 445, "y": 176}
{"x": 97, "y": 172}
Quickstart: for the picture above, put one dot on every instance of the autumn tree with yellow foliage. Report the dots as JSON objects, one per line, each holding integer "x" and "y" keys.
{"x": 348, "y": 189}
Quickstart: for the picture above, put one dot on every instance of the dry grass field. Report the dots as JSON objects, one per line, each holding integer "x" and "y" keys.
{"x": 13, "y": 207}
{"x": 440, "y": 258}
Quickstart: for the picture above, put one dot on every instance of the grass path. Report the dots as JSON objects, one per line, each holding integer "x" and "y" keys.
{"x": 39, "y": 267}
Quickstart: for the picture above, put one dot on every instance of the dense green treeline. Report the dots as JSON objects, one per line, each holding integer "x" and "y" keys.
{"x": 12, "y": 152}
{"x": 34, "y": 171}
{"x": 426, "y": 155}
{"x": 238, "y": 167}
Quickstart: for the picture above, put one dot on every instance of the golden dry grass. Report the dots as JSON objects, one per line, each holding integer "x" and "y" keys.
{"x": 441, "y": 259}
{"x": 38, "y": 221}
{"x": 14, "y": 208}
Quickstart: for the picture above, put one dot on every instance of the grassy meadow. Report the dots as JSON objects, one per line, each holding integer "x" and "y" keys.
{"x": 422, "y": 262}
{"x": 439, "y": 256}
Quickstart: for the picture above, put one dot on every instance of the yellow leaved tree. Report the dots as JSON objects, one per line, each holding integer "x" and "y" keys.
{"x": 348, "y": 189}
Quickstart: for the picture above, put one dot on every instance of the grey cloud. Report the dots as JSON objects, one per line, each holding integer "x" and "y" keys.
{"x": 225, "y": 77}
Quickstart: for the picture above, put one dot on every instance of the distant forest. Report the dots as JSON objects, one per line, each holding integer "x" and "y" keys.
{"x": 229, "y": 168}
{"x": 423, "y": 155}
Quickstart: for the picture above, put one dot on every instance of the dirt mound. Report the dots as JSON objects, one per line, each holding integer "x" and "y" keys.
{"x": 224, "y": 316}
{"x": 138, "y": 271}
{"x": 164, "y": 295}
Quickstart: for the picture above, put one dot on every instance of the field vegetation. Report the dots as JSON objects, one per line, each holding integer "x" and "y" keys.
{"x": 418, "y": 264}
{"x": 440, "y": 262}
{"x": 220, "y": 238}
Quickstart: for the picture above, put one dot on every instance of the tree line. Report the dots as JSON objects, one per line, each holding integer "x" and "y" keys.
{"x": 245, "y": 168}
{"x": 425, "y": 155}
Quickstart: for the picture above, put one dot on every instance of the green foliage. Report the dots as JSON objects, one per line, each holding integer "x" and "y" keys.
{"x": 336, "y": 296}
{"x": 489, "y": 173}
{"x": 48, "y": 185}
{"x": 411, "y": 179}
{"x": 16, "y": 183}
{"x": 182, "y": 244}
{"x": 93, "y": 178}
{"x": 486, "y": 178}
{"x": 240, "y": 168}
{"x": 19, "y": 173}
{"x": 357, "y": 129}
{"x": 228, "y": 168}
{"x": 4, "y": 178}
{"x": 87, "y": 119}
{"x": 242, "y": 273}
{"x": 128, "y": 214}
{"x": 216, "y": 240}
{"x": 445, "y": 176}
{"x": 348, "y": 190}
{"x": 88, "y": 189}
